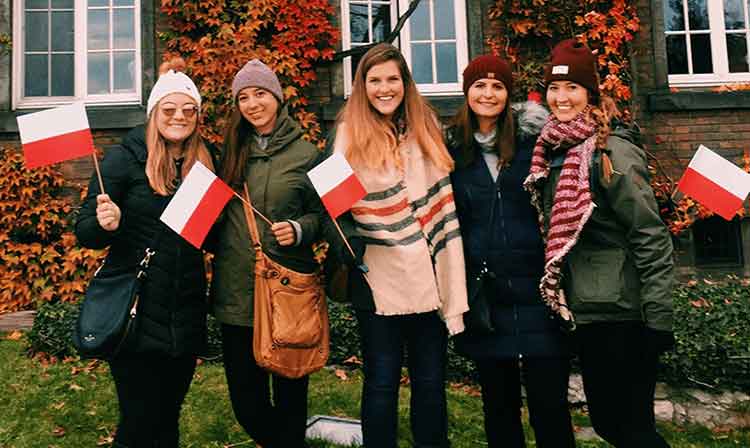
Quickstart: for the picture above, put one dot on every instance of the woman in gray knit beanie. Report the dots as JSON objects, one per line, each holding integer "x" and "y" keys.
{"x": 264, "y": 151}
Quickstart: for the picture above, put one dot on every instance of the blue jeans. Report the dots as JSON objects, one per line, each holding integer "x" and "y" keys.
{"x": 383, "y": 340}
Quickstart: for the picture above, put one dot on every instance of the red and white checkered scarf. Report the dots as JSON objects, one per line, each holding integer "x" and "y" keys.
{"x": 572, "y": 205}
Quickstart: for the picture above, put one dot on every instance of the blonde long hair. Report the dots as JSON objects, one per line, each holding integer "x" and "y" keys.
{"x": 373, "y": 139}
{"x": 160, "y": 168}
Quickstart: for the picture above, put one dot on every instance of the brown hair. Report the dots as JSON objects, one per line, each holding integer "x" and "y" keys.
{"x": 234, "y": 157}
{"x": 603, "y": 111}
{"x": 160, "y": 169}
{"x": 465, "y": 124}
{"x": 373, "y": 139}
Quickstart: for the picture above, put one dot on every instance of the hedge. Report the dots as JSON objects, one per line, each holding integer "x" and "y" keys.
{"x": 712, "y": 332}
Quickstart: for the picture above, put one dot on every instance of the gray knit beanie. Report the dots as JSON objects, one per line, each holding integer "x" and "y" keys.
{"x": 257, "y": 74}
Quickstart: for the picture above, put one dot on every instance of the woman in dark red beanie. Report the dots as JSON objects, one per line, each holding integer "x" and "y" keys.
{"x": 608, "y": 256}
{"x": 492, "y": 143}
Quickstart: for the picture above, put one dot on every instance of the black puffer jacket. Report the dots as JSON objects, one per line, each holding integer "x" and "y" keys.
{"x": 172, "y": 309}
{"x": 512, "y": 247}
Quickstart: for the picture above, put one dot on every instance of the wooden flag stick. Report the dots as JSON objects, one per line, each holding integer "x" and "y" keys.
{"x": 98, "y": 173}
{"x": 254, "y": 209}
{"x": 351, "y": 251}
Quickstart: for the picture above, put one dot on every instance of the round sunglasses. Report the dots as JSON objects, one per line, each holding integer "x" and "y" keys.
{"x": 188, "y": 111}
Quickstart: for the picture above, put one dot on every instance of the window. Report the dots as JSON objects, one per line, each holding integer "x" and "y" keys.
{"x": 433, "y": 41}
{"x": 707, "y": 41}
{"x": 717, "y": 242}
{"x": 76, "y": 50}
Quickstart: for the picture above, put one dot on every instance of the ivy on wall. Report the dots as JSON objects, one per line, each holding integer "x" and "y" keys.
{"x": 217, "y": 37}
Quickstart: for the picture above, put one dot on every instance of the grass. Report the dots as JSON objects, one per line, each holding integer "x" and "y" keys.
{"x": 72, "y": 404}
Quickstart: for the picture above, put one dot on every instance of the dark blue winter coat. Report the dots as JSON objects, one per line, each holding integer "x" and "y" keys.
{"x": 512, "y": 247}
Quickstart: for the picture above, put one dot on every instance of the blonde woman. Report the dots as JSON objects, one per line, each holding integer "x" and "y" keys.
{"x": 406, "y": 232}
{"x": 153, "y": 372}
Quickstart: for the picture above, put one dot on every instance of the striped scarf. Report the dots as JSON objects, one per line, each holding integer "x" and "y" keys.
{"x": 572, "y": 205}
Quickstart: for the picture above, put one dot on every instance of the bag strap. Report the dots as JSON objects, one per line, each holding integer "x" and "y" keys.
{"x": 250, "y": 218}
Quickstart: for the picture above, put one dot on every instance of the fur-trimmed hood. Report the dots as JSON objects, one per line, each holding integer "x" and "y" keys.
{"x": 530, "y": 118}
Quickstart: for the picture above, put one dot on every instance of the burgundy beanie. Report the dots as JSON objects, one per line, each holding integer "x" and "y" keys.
{"x": 488, "y": 66}
{"x": 573, "y": 61}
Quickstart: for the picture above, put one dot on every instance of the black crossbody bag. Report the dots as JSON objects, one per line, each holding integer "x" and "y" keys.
{"x": 108, "y": 316}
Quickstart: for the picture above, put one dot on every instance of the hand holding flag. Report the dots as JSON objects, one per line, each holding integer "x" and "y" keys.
{"x": 715, "y": 182}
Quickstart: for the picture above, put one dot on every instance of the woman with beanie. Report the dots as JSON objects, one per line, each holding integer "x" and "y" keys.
{"x": 491, "y": 143}
{"x": 608, "y": 256}
{"x": 406, "y": 233}
{"x": 264, "y": 151}
{"x": 153, "y": 371}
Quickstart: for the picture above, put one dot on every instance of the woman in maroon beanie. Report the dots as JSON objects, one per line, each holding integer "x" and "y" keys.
{"x": 608, "y": 256}
{"x": 491, "y": 142}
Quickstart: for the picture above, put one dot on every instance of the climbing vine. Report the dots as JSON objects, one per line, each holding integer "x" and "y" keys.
{"x": 217, "y": 37}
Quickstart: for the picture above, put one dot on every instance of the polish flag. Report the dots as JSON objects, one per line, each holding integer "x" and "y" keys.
{"x": 715, "y": 182}
{"x": 55, "y": 135}
{"x": 196, "y": 204}
{"x": 336, "y": 184}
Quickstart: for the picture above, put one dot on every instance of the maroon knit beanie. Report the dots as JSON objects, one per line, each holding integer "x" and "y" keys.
{"x": 488, "y": 66}
{"x": 573, "y": 61}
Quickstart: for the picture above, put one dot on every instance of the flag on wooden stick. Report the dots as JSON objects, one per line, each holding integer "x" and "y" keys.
{"x": 196, "y": 204}
{"x": 336, "y": 184}
{"x": 718, "y": 184}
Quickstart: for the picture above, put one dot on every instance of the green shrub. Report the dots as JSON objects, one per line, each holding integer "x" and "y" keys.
{"x": 712, "y": 332}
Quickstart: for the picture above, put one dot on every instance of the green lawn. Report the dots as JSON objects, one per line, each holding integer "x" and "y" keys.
{"x": 72, "y": 404}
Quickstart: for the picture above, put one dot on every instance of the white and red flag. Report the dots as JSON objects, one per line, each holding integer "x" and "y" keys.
{"x": 715, "y": 182}
{"x": 55, "y": 135}
{"x": 336, "y": 184}
{"x": 196, "y": 204}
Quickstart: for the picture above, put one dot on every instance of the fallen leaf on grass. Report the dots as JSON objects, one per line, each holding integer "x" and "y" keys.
{"x": 59, "y": 431}
{"x": 58, "y": 406}
{"x": 14, "y": 335}
{"x": 341, "y": 374}
{"x": 105, "y": 440}
{"x": 353, "y": 360}
{"x": 75, "y": 387}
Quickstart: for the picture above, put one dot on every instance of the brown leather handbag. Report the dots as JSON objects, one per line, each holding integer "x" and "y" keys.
{"x": 290, "y": 323}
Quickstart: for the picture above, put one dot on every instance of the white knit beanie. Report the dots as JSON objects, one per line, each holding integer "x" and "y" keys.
{"x": 172, "y": 82}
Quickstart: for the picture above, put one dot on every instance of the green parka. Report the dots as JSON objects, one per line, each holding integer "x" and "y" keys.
{"x": 621, "y": 268}
{"x": 280, "y": 189}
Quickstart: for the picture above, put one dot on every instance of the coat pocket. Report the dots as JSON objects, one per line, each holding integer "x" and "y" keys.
{"x": 596, "y": 277}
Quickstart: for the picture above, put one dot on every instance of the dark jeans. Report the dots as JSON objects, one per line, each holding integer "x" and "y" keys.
{"x": 278, "y": 424}
{"x": 546, "y": 381}
{"x": 150, "y": 392}
{"x": 383, "y": 341}
{"x": 619, "y": 376}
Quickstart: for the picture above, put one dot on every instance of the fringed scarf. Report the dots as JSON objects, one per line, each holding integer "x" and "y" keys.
{"x": 572, "y": 205}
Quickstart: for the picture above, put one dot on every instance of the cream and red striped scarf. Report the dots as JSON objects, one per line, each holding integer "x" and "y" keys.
{"x": 572, "y": 205}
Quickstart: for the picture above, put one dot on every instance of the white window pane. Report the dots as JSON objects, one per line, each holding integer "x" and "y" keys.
{"x": 63, "y": 70}
{"x": 124, "y": 28}
{"x": 35, "y": 76}
{"x": 381, "y": 22}
{"x": 359, "y": 24}
{"x": 36, "y": 4}
{"x": 674, "y": 15}
{"x": 98, "y": 3}
{"x": 419, "y": 22}
{"x": 421, "y": 63}
{"x": 37, "y": 31}
{"x": 62, "y": 4}
{"x": 737, "y": 53}
{"x": 701, "y": 53}
{"x": 698, "y": 14}
{"x": 677, "y": 55}
{"x": 98, "y": 23}
{"x": 123, "y": 2}
{"x": 124, "y": 71}
{"x": 734, "y": 14}
{"x": 445, "y": 21}
{"x": 62, "y": 31}
{"x": 447, "y": 70}
{"x": 98, "y": 73}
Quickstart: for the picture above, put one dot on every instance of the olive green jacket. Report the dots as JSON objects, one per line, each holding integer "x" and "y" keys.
{"x": 621, "y": 268}
{"x": 280, "y": 189}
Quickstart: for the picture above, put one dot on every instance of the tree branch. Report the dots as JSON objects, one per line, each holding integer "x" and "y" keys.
{"x": 356, "y": 51}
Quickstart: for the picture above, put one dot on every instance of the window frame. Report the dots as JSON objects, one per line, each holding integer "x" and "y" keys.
{"x": 719, "y": 55}
{"x": 80, "y": 51}
{"x": 403, "y": 43}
